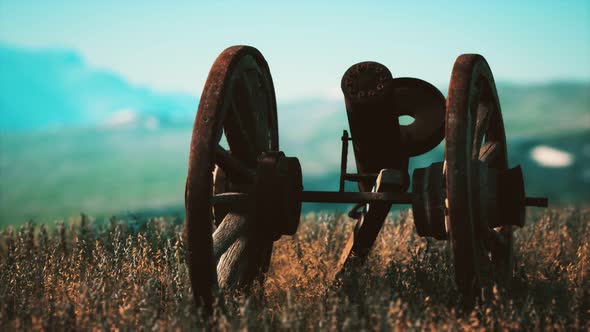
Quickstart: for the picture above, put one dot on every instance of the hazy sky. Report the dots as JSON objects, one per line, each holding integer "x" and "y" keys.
{"x": 170, "y": 45}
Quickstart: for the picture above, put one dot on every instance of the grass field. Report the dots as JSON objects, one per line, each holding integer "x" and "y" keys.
{"x": 132, "y": 275}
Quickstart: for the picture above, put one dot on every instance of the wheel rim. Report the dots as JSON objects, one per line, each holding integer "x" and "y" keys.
{"x": 474, "y": 136}
{"x": 238, "y": 100}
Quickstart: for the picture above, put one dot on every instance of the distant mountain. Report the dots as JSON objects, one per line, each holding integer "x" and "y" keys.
{"x": 55, "y": 88}
{"x": 552, "y": 108}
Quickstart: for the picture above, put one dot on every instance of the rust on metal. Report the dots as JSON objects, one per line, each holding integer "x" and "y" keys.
{"x": 474, "y": 117}
{"x": 252, "y": 192}
{"x": 238, "y": 100}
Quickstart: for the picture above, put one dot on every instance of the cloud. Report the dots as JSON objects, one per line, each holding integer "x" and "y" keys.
{"x": 122, "y": 118}
{"x": 550, "y": 157}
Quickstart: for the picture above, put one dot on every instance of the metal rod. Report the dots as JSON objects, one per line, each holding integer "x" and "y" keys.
{"x": 359, "y": 177}
{"x": 343, "y": 159}
{"x": 536, "y": 201}
{"x": 326, "y": 197}
{"x": 355, "y": 197}
{"x": 235, "y": 169}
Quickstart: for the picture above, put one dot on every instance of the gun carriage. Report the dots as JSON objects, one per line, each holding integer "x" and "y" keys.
{"x": 241, "y": 199}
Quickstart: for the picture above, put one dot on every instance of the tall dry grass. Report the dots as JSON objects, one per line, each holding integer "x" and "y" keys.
{"x": 132, "y": 275}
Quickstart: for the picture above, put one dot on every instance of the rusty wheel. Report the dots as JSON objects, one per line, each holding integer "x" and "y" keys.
{"x": 475, "y": 154}
{"x": 238, "y": 101}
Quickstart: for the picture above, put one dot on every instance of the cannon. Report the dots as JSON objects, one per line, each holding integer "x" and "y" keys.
{"x": 241, "y": 199}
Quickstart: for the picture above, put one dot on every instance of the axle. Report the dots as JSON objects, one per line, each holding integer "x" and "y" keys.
{"x": 356, "y": 197}
{"x": 350, "y": 197}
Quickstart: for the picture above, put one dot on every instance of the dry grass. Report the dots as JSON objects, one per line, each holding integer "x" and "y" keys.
{"x": 130, "y": 275}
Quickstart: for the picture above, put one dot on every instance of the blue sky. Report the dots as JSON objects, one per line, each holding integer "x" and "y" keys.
{"x": 170, "y": 45}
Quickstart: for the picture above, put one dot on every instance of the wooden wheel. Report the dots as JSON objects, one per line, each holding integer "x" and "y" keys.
{"x": 475, "y": 153}
{"x": 238, "y": 101}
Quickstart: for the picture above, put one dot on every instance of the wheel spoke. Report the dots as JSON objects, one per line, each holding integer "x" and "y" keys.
{"x": 481, "y": 125}
{"x": 227, "y": 202}
{"x": 237, "y": 136}
{"x": 236, "y": 170}
{"x": 499, "y": 244}
{"x": 247, "y": 93}
{"x": 251, "y": 82}
{"x": 489, "y": 152}
{"x": 233, "y": 264}
{"x": 238, "y": 128}
{"x": 229, "y": 199}
{"x": 230, "y": 229}
{"x": 266, "y": 256}
{"x": 496, "y": 241}
{"x": 481, "y": 195}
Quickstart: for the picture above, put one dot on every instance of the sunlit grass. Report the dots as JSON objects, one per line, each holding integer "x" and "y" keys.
{"x": 133, "y": 275}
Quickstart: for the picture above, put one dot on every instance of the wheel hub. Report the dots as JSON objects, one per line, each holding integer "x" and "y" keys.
{"x": 428, "y": 205}
{"x": 277, "y": 187}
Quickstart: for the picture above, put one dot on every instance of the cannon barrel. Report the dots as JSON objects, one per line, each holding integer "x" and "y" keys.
{"x": 369, "y": 98}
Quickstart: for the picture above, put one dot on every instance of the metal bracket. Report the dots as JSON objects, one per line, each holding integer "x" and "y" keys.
{"x": 353, "y": 177}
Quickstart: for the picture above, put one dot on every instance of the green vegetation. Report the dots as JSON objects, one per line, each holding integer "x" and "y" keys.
{"x": 132, "y": 275}
{"x": 52, "y": 174}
